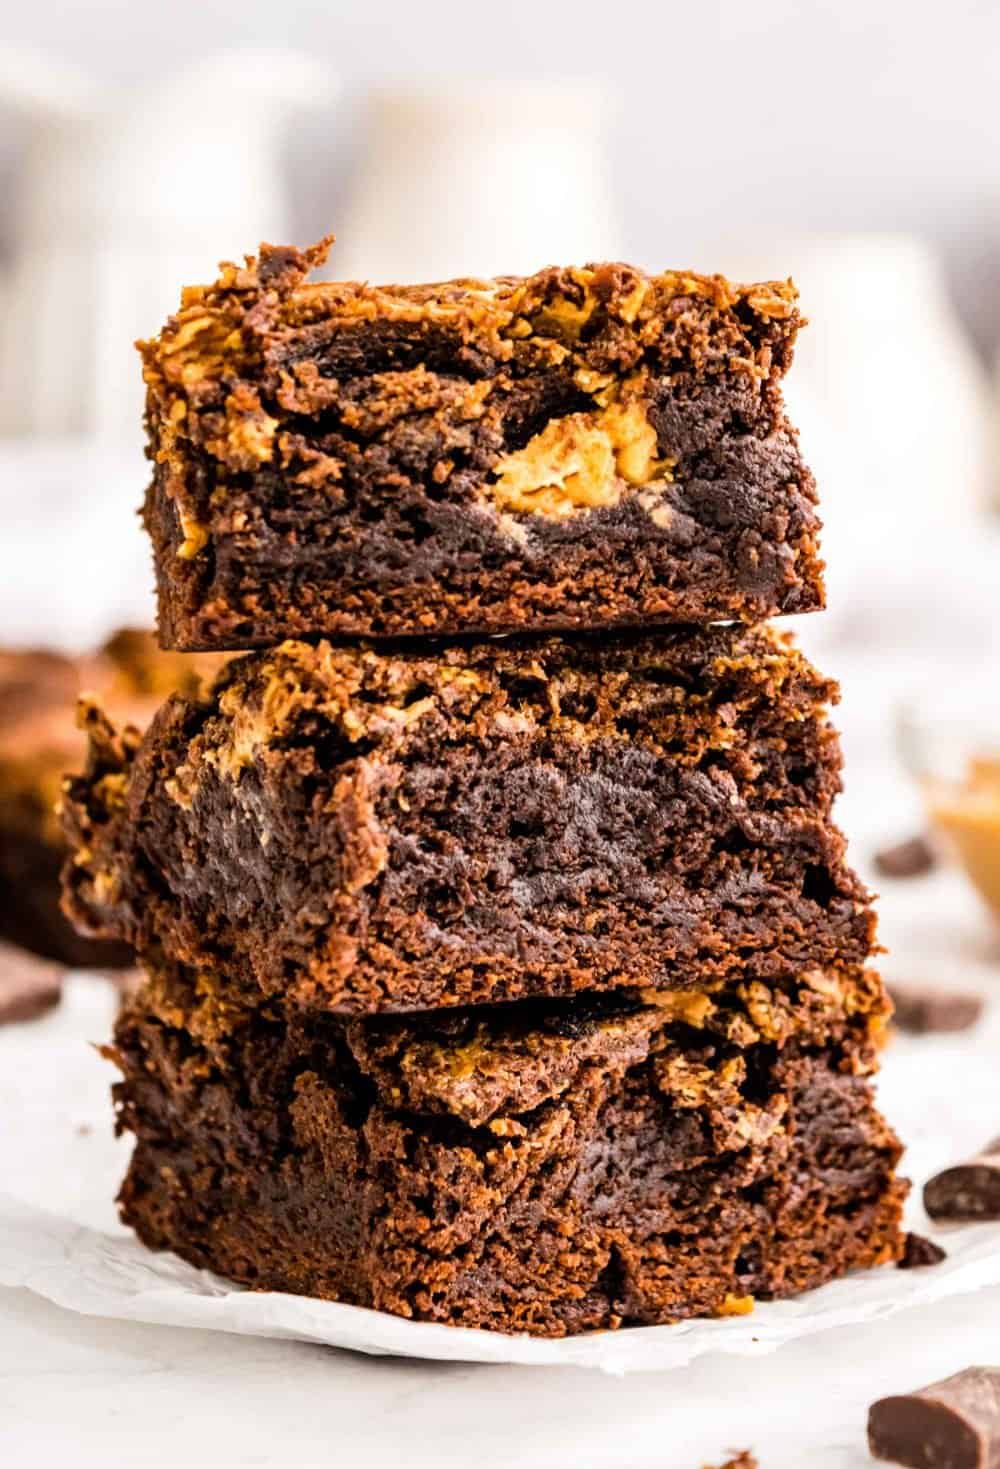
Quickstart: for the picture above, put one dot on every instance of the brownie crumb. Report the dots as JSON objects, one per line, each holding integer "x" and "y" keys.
{"x": 912, "y": 858}
{"x": 926, "y": 1009}
{"x": 299, "y": 1134}
{"x": 918, "y": 1252}
{"x": 743, "y": 1460}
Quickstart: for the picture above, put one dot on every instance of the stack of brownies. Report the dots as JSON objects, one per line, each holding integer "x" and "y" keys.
{"x": 503, "y": 965}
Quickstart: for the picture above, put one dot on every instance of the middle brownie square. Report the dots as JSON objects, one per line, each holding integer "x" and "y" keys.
{"x": 364, "y": 830}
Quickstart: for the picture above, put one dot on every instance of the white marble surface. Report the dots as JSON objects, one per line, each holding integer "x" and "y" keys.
{"x": 94, "y": 1394}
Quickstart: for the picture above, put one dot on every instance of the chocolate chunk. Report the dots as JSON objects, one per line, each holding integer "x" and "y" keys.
{"x": 911, "y": 858}
{"x": 28, "y": 986}
{"x": 552, "y": 833}
{"x": 969, "y": 1190}
{"x": 923, "y": 1009}
{"x": 918, "y": 1252}
{"x": 39, "y": 742}
{"x": 954, "y": 1424}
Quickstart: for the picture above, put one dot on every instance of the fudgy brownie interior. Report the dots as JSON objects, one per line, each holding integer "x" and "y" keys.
{"x": 368, "y": 830}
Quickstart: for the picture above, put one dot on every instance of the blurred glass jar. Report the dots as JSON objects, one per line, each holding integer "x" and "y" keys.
{"x": 949, "y": 739}
{"x": 476, "y": 177}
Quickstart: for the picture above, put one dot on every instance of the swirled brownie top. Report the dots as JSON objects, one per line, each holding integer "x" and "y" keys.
{"x": 583, "y": 447}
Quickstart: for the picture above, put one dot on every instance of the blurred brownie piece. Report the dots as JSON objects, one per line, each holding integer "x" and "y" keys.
{"x": 967, "y": 1191}
{"x": 924, "y": 1009}
{"x": 581, "y": 448}
{"x": 547, "y": 1167}
{"x": 368, "y": 830}
{"x": 39, "y": 742}
{"x": 910, "y": 858}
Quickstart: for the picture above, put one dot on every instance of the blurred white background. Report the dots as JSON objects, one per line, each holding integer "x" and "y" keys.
{"x": 734, "y": 118}
{"x": 852, "y": 145}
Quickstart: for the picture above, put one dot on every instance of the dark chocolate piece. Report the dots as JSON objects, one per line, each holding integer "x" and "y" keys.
{"x": 925, "y": 1009}
{"x": 966, "y": 1191}
{"x": 911, "y": 858}
{"x": 581, "y": 448}
{"x": 919, "y": 1252}
{"x": 366, "y": 830}
{"x": 29, "y": 987}
{"x": 548, "y": 1166}
{"x": 954, "y": 1424}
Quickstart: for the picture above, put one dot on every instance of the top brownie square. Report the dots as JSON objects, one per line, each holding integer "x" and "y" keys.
{"x": 581, "y": 448}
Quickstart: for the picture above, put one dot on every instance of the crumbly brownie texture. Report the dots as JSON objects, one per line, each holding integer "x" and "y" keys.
{"x": 366, "y": 830}
{"x": 575, "y": 449}
{"x": 39, "y": 742}
{"x": 548, "y": 1167}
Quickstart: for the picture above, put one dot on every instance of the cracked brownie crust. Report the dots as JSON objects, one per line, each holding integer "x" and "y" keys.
{"x": 366, "y": 830}
{"x": 545, "y": 1167}
{"x": 580, "y": 448}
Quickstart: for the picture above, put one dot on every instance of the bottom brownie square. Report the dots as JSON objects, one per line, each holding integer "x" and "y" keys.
{"x": 541, "y": 1167}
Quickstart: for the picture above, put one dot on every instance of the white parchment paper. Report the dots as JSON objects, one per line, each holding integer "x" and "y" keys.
{"x": 58, "y": 1236}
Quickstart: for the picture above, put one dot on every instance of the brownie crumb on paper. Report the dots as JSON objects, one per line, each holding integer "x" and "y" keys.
{"x": 919, "y": 1251}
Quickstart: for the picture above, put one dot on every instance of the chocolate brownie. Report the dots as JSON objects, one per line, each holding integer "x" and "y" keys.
{"x": 39, "y": 742}
{"x": 579, "y": 448}
{"x": 366, "y": 830}
{"x": 547, "y": 1167}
